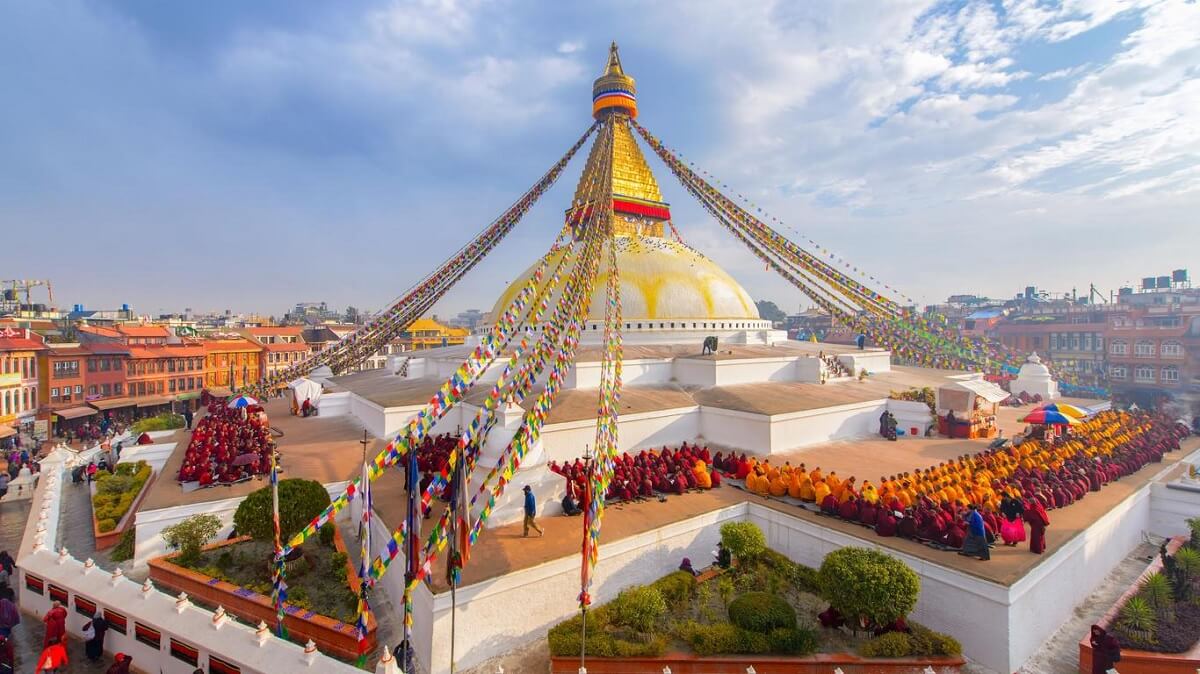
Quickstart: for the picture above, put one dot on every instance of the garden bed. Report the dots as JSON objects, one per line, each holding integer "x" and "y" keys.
{"x": 764, "y": 611}
{"x": 235, "y": 574}
{"x": 115, "y": 498}
{"x": 1184, "y": 627}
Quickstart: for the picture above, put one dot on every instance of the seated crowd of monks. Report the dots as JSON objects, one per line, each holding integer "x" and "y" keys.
{"x": 650, "y": 471}
{"x": 1013, "y": 484}
{"x": 433, "y": 454}
{"x": 228, "y": 446}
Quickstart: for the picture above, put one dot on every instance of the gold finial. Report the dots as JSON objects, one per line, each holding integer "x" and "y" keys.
{"x": 614, "y": 61}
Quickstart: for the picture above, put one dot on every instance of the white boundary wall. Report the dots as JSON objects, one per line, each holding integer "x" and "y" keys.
{"x": 255, "y": 652}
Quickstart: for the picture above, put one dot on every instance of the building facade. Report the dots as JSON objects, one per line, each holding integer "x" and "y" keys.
{"x": 231, "y": 363}
{"x": 282, "y": 346}
{"x": 19, "y": 351}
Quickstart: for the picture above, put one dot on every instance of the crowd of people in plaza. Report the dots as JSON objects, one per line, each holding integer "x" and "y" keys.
{"x": 964, "y": 503}
{"x": 228, "y": 446}
{"x": 644, "y": 474}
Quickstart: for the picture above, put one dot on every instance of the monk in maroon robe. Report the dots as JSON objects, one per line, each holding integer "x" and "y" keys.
{"x": 1035, "y": 515}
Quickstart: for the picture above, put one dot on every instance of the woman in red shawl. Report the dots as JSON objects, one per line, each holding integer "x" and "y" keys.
{"x": 1038, "y": 520}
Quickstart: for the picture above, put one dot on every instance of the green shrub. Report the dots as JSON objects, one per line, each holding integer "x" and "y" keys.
{"x": 337, "y": 564}
{"x": 639, "y": 608}
{"x": 1194, "y": 525}
{"x": 761, "y": 612}
{"x": 868, "y": 584}
{"x": 299, "y": 502}
{"x": 106, "y": 525}
{"x": 889, "y": 645}
{"x": 225, "y": 560}
{"x": 564, "y": 639}
{"x": 1157, "y": 591}
{"x": 725, "y": 590}
{"x": 927, "y": 642}
{"x": 1137, "y": 618}
{"x": 718, "y": 639}
{"x": 744, "y": 540}
{"x": 1188, "y": 561}
{"x": 325, "y": 535}
{"x": 114, "y": 484}
{"x": 123, "y": 550}
{"x": 793, "y": 641}
{"x": 190, "y": 535}
{"x": 160, "y": 422}
{"x": 677, "y": 587}
{"x": 803, "y": 578}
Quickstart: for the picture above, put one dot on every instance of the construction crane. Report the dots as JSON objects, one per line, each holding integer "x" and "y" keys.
{"x": 1093, "y": 294}
{"x": 15, "y": 286}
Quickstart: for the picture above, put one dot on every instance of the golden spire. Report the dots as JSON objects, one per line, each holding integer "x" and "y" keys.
{"x": 638, "y": 206}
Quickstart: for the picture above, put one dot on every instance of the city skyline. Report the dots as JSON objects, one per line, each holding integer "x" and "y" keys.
{"x": 257, "y": 146}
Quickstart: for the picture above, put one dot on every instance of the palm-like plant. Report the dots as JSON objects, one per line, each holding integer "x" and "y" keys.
{"x": 1157, "y": 591}
{"x": 1138, "y": 619}
{"x": 1187, "y": 572}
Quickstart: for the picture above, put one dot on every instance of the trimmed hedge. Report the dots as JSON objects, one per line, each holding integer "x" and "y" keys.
{"x": 603, "y": 638}
{"x": 116, "y": 491}
{"x": 803, "y": 578}
{"x": 920, "y": 642}
{"x": 159, "y": 422}
{"x": 793, "y": 641}
{"x": 867, "y": 584}
{"x": 727, "y": 639}
{"x": 761, "y": 612}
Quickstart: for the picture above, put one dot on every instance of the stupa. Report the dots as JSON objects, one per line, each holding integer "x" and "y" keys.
{"x": 1034, "y": 378}
{"x": 670, "y": 292}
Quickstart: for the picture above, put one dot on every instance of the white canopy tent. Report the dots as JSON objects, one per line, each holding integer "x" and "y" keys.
{"x": 305, "y": 389}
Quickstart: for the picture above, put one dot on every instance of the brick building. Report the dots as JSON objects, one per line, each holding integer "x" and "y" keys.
{"x": 19, "y": 350}
{"x": 231, "y": 363}
{"x": 282, "y": 346}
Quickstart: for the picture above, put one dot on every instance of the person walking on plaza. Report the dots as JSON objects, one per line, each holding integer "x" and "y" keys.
{"x": 1035, "y": 515}
{"x": 187, "y": 418}
{"x": 530, "y": 513}
{"x": 56, "y": 624}
{"x": 10, "y": 615}
{"x": 7, "y": 656}
{"x": 53, "y": 657}
{"x": 976, "y": 544}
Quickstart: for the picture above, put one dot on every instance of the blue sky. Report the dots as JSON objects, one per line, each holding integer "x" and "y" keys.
{"x": 251, "y": 155}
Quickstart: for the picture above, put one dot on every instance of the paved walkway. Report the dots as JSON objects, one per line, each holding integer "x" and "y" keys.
{"x": 389, "y": 619}
{"x": 1060, "y": 653}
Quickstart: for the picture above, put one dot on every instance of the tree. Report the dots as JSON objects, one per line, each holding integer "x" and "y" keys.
{"x": 769, "y": 311}
{"x": 868, "y": 587}
{"x": 299, "y": 502}
{"x": 744, "y": 540}
{"x": 190, "y": 535}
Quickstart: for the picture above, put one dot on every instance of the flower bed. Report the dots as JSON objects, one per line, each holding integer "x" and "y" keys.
{"x": 1157, "y": 620}
{"x": 114, "y": 499}
{"x": 249, "y": 596}
{"x": 766, "y": 611}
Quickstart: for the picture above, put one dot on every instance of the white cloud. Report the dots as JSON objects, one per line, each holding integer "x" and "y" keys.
{"x": 570, "y": 47}
{"x": 1064, "y": 73}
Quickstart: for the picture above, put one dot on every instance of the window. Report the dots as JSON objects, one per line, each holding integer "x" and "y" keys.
{"x": 92, "y": 390}
{"x": 59, "y": 593}
{"x": 218, "y": 666}
{"x": 79, "y": 389}
{"x": 91, "y": 364}
{"x": 54, "y": 392}
{"x": 117, "y": 388}
{"x": 147, "y": 635}
{"x": 1144, "y": 348}
{"x": 105, "y": 364}
{"x": 1143, "y": 373}
{"x": 116, "y": 621}
{"x": 106, "y": 389}
{"x": 1172, "y": 350}
{"x": 1119, "y": 347}
{"x": 1170, "y": 374}
{"x": 172, "y": 386}
{"x": 34, "y": 584}
{"x": 1054, "y": 341}
{"x": 1117, "y": 372}
{"x": 1074, "y": 341}
{"x": 1087, "y": 341}
{"x": 184, "y": 652}
{"x": 85, "y": 606}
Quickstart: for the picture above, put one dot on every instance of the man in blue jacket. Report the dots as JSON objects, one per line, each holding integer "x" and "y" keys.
{"x": 976, "y": 544}
{"x": 530, "y": 512}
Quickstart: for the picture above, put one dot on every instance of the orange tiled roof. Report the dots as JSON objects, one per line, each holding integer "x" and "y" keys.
{"x": 143, "y": 331}
{"x": 224, "y": 345}
{"x": 283, "y": 347}
{"x": 284, "y": 330}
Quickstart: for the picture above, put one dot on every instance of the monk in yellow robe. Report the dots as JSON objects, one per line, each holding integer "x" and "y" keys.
{"x": 820, "y": 491}
{"x": 807, "y": 490}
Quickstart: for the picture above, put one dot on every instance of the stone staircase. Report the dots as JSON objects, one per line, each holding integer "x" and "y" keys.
{"x": 833, "y": 368}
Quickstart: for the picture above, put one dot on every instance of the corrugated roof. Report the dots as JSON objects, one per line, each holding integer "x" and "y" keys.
{"x": 985, "y": 389}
